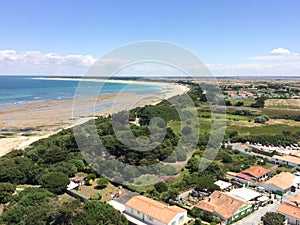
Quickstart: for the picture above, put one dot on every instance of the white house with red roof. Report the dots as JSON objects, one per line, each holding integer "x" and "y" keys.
{"x": 152, "y": 212}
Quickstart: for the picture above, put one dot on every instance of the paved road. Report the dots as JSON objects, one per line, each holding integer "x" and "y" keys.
{"x": 254, "y": 218}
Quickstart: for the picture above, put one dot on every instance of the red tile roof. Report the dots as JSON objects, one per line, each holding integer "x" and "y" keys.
{"x": 256, "y": 171}
{"x": 243, "y": 176}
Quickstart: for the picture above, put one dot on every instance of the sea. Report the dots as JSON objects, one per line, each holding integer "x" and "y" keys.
{"x": 20, "y": 90}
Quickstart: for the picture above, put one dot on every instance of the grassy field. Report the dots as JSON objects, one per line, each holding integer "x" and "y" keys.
{"x": 205, "y": 126}
{"x": 282, "y": 103}
{"x": 244, "y": 128}
{"x": 272, "y": 127}
{"x": 247, "y": 102}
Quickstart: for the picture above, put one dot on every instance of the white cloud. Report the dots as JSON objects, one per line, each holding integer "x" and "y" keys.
{"x": 283, "y": 52}
{"x": 278, "y": 54}
{"x": 279, "y": 62}
{"x": 38, "y": 63}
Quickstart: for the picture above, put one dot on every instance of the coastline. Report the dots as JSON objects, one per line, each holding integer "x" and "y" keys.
{"x": 171, "y": 88}
{"x": 48, "y": 118}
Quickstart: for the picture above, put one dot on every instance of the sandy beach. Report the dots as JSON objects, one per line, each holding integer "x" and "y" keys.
{"x": 23, "y": 125}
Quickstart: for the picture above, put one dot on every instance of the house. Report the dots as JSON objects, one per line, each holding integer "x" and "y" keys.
{"x": 239, "y": 146}
{"x": 225, "y": 206}
{"x": 290, "y": 211}
{"x": 280, "y": 183}
{"x": 287, "y": 160}
{"x": 252, "y": 174}
{"x": 153, "y": 212}
{"x": 257, "y": 173}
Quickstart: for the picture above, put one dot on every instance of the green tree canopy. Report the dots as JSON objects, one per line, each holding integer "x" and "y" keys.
{"x": 56, "y": 182}
{"x": 272, "y": 218}
{"x": 6, "y": 191}
{"x": 96, "y": 212}
{"x": 30, "y": 206}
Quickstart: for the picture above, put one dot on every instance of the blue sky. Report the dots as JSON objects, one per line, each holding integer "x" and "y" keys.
{"x": 229, "y": 35}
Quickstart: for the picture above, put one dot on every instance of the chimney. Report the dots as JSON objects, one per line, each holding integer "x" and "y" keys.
{"x": 209, "y": 199}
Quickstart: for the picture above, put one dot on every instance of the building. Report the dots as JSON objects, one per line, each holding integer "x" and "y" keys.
{"x": 252, "y": 175}
{"x": 223, "y": 185}
{"x": 287, "y": 160}
{"x": 280, "y": 183}
{"x": 257, "y": 173}
{"x": 264, "y": 150}
{"x": 153, "y": 212}
{"x": 225, "y": 206}
{"x": 238, "y": 146}
{"x": 290, "y": 211}
{"x": 245, "y": 194}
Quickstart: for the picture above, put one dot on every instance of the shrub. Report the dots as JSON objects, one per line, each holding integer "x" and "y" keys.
{"x": 97, "y": 196}
{"x": 227, "y": 158}
{"x": 261, "y": 119}
{"x": 161, "y": 187}
{"x": 102, "y": 182}
{"x": 91, "y": 176}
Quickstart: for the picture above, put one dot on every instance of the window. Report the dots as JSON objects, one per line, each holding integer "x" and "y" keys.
{"x": 150, "y": 218}
{"x": 132, "y": 211}
{"x": 139, "y": 212}
{"x": 181, "y": 219}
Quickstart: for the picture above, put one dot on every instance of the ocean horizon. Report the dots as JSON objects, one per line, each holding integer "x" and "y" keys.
{"x": 21, "y": 90}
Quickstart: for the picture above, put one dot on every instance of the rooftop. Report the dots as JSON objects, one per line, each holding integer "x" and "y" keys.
{"x": 245, "y": 194}
{"x": 222, "y": 184}
{"x": 256, "y": 171}
{"x": 288, "y": 158}
{"x": 283, "y": 180}
{"x": 243, "y": 176}
{"x": 222, "y": 203}
{"x": 72, "y": 185}
{"x": 154, "y": 209}
{"x": 291, "y": 207}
